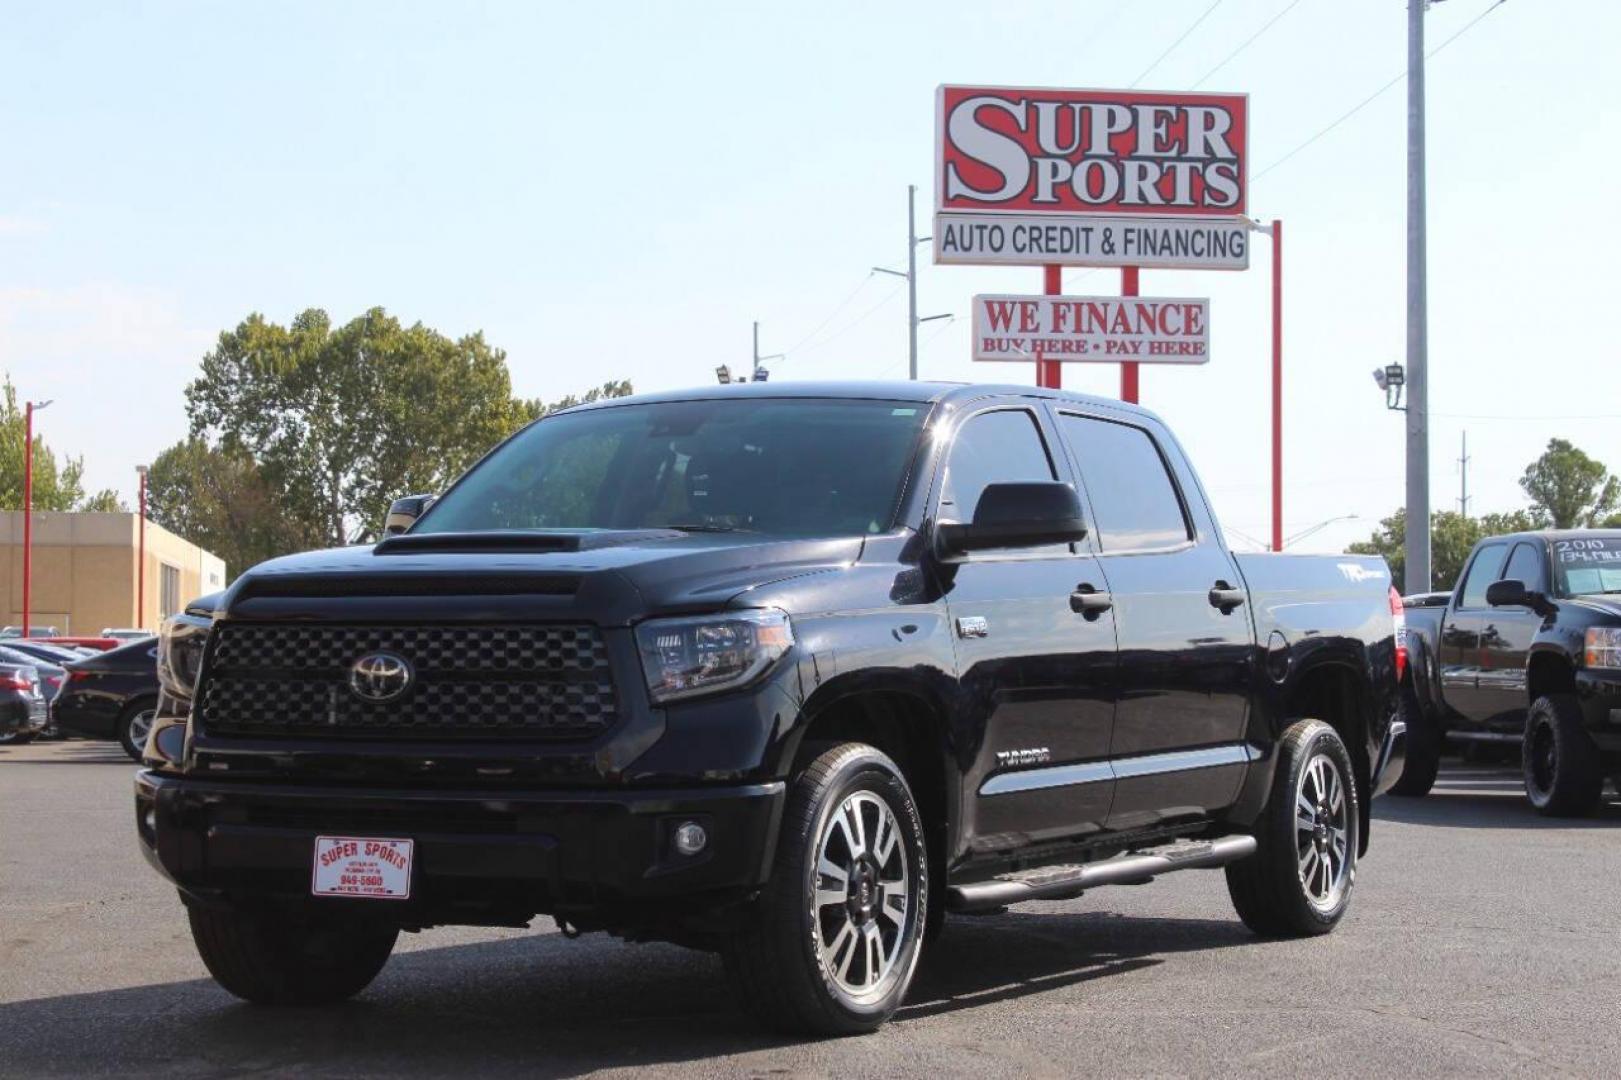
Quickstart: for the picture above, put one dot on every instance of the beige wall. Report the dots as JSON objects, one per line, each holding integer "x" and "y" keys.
{"x": 85, "y": 571}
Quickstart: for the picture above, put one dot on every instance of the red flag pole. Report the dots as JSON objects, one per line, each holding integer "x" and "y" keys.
{"x": 1128, "y": 368}
{"x": 1277, "y": 385}
{"x": 1050, "y": 373}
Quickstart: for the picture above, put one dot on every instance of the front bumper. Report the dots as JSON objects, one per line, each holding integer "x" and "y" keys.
{"x": 481, "y": 856}
{"x": 1599, "y": 693}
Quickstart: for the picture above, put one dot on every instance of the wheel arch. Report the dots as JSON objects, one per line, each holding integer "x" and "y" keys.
{"x": 907, "y": 722}
{"x": 1548, "y": 671}
{"x": 1335, "y": 692}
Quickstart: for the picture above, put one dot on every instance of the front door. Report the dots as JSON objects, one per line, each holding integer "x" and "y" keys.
{"x": 1463, "y": 654}
{"x": 1505, "y": 638}
{"x": 1036, "y": 668}
{"x": 1185, "y": 660}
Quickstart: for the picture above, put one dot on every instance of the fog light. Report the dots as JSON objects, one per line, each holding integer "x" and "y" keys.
{"x": 690, "y": 838}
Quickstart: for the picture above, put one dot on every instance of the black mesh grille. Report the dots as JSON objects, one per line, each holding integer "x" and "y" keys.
{"x": 542, "y": 682}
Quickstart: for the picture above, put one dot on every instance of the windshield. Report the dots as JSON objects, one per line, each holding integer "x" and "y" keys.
{"x": 778, "y": 466}
{"x": 1588, "y": 566}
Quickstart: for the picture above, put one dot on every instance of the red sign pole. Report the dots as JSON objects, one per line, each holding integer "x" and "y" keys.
{"x": 1050, "y": 373}
{"x": 1128, "y": 368}
{"x": 1277, "y": 385}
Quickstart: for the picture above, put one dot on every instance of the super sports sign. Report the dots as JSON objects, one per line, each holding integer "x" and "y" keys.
{"x": 1091, "y": 177}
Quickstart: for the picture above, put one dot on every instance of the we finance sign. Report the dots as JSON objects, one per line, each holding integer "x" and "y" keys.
{"x": 1091, "y": 178}
{"x": 1092, "y": 329}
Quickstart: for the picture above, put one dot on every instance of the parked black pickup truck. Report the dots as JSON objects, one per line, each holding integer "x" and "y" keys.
{"x": 784, "y": 672}
{"x": 1526, "y": 650}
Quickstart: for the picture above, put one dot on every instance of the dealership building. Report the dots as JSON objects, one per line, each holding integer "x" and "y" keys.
{"x": 86, "y": 572}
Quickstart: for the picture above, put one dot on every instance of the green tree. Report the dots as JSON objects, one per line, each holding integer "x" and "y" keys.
{"x": 534, "y": 408}
{"x": 56, "y": 486}
{"x": 1571, "y": 488}
{"x": 340, "y": 421}
{"x": 1451, "y": 537}
{"x": 220, "y": 500}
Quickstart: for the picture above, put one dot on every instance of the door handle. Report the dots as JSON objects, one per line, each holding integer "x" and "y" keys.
{"x": 1225, "y": 597}
{"x": 1089, "y": 601}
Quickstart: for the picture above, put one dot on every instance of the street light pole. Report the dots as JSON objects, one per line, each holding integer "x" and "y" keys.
{"x": 140, "y": 571}
{"x": 1418, "y": 399}
{"x": 29, "y": 409}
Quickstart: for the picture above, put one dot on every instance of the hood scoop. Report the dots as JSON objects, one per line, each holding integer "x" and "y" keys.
{"x": 520, "y": 540}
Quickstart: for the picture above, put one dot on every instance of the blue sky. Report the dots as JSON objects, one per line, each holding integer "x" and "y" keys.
{"x": 617, "y": 191}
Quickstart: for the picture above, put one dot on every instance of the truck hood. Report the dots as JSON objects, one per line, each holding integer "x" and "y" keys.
{"x": 610, "y": 578}
{"x": 1608, "y": 606}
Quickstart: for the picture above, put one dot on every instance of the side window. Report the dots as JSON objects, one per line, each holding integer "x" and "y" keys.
{"x": 1003, "y": 447}
{"x": 1525, "y": 564}
{"x": 1482, "y": 572}
{"x": 1133, "y": 499}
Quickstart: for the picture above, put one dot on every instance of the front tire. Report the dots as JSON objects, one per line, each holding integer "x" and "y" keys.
{"x": 134, "y": 725}
{"x": 274, "y": 959}
{"x": 831, "y": 944}
{"x": 1559, "y": 761}
{"x": 1299, "y": 881}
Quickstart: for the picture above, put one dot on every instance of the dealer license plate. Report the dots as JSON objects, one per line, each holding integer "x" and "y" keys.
{"x": 364, "y": 867}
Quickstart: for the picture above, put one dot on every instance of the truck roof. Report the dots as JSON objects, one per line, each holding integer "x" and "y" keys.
{"x": 892, "y": 390}
{"x": 1557, "y": 534}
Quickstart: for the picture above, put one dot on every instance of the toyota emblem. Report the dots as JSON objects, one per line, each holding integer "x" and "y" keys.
{"x": 379, "y": 677}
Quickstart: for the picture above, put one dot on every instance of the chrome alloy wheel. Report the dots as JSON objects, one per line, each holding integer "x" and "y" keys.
{"x": 1322, "y": 833}
{"x": 863, "y": 902}
{"x": 140, "y": 726}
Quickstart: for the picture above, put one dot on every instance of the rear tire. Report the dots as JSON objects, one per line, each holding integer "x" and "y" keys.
{"x": 831, "y": 944}
{"x": 272, "y": 959}
{"x": 134, "y": 725}
{"x": 1423, "y": 748}
{"x": 1559, "y": 761}
{"x": 1299, "y": 881}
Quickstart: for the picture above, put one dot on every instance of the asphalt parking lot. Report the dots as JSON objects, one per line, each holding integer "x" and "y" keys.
{"x": 1484, "y": 940}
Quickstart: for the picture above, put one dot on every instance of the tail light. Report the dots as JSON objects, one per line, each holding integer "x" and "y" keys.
{"x": 75, "y": 675}
{"x": 16, "y": 682}
{"x": 1398, "y": 616}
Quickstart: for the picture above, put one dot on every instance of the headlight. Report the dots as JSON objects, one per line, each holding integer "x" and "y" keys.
{"x": 1603, "y": 647}
{"x": 686, "y": 657}
{"x": 180, "y": 652}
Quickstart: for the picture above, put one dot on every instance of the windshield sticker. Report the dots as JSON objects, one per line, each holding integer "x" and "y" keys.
{"x": 1604, "y": 551}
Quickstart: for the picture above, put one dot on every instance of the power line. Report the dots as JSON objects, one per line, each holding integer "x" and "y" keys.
{"x": 852, "y": 324}
{"x": 1185, "y": 35}
{"x": 842, "y": 304}
{"x": 1247, "y": 43}
{"x": 1369, "y": 100}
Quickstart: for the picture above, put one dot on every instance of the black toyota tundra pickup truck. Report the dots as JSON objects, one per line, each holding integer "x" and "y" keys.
{"x": 781, "y": 671}
{"x": 1526, "y": 651}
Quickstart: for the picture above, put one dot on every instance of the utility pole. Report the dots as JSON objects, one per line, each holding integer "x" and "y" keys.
{"x": 1463, "y": 473}
{"x": 912, "y": 241}
{"x": 1418, "y": 396}
{"x": 758, "y": 373}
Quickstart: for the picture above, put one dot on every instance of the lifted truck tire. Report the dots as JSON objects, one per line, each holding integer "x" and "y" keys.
{"x": 1423, "y": 748}
{"x": 832, "y": 942}
{"x": 1298, "y": 883}
{"x": 272, "y": 959}
{"x": 1560, "y": 763}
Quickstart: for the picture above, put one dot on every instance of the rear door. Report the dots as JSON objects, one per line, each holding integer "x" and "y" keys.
{"x": 1036, "y": 674}
{"x": 1185, "y": 658}
{"x": 1462, "y": 655}
{"x": 1505, "y": 638}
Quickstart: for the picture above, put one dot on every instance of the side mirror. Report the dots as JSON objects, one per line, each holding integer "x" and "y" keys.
{"x": 1017, "y": 516}
{"x": 403, "y": 513}
{"x": 1511, "y": 592}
